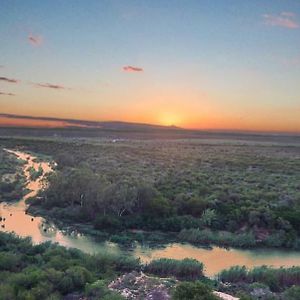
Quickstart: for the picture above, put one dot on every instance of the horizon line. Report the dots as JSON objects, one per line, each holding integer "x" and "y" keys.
{"x": 89, "y": 124}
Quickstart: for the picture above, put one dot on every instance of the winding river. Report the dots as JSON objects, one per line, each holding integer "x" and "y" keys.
{"x": 15, "y": 219}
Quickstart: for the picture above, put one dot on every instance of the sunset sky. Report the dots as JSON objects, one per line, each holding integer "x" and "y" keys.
{"x": 195, "y": 64}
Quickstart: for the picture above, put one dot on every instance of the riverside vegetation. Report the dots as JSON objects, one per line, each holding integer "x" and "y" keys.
{"x": 229, "y": 194}
{"x": 188, "y": 189}
{"x": 51, "y": 272}
{"x": 12, "y": 181}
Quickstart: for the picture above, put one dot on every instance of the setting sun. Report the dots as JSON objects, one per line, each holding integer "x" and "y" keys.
{"x": 170, "y": 119}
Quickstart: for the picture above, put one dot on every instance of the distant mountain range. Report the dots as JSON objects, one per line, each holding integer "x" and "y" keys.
{"x": 19, "y": 125}
{"x": 113, "y": 125}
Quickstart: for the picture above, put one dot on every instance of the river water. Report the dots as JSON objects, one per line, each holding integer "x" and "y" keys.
{"x": 14, "y": 219}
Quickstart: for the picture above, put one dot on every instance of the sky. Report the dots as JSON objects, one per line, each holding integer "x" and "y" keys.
{"x": 196, "y": 64}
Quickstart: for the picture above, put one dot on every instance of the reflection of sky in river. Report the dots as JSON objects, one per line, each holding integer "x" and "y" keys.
{"x": 16, "y": 220}
{"x": 218, "y": 259}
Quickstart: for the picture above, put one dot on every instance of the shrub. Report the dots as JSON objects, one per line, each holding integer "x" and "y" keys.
{"x": 107, "y": 222}
{"x": 187, "y": 269}
{"x": 225, "y": 238}
{"x": 193, "y": 291}
{"x": 293, "y": 293}
{"x": 99, "y": 290}
{"x": 276, "y": 279}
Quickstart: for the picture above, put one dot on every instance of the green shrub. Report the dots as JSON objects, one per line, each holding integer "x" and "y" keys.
{"x": 48, "y": 271}
{"x": 225, "y": 238}
{"x": 107, "y": 222}
{"x": 188, "y": 269}
{"x": 193, "y": 291}
{"x": 276, "y": 279}
{"x": 293, "y": 293}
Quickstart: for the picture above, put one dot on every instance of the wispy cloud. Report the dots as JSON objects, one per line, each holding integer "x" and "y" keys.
{"x": 51, "y": 86}
{"x": 284, "y": 19}
{"x": 35, "y": 40}
{"x": 6, "y": 94}
{"x": 1, "y": 66}
{"x": 10, "y": 80}
{"x": 132, "y": 69}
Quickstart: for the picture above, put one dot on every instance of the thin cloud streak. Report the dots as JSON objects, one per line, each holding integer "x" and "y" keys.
{"x": 6, "y": 94}
{"x": 132, "y": 69}
{"x": 10, "y": 80}
{"x": 35, "y": 40}
{"x": 51, "y": 86}
{"x": 288, "y": 14}
{"x": 284, "y": 19}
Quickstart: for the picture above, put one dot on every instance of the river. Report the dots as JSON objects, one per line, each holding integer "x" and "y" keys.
{"x": 14, "y": 219}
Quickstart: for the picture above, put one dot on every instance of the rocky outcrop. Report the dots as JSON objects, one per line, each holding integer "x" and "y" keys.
{"x": 139, "y": 286}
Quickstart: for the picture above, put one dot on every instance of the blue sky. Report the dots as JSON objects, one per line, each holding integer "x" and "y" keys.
{"x": 205, "y": 64}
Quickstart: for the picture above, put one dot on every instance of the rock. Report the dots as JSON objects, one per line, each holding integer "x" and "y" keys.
{"x": 225, "y": 296}
{"x": 261, "y": 293}
{"x": 139, "y": 286}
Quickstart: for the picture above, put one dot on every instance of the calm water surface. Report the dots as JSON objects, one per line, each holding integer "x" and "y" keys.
{"x": 41, "y": 230}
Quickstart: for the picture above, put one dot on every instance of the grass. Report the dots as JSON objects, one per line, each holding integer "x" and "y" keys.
{"x": 186, "y": 269}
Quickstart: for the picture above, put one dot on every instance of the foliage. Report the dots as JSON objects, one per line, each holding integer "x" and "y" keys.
{"x": 224, "y": 238}
{"x": 249, "y": 190}
{"x": 275, "y": 279}
{"x": 193, "y": 291}
{"x": 187, "y": 269}
{"x": 293, "y": 293}
{"x": 48, "y": 271}
{"x": 35, "y": 174}
{"x": 11, "y": 177}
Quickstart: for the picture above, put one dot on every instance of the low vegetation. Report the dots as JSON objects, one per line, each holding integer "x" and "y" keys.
{"x": 249, "y": 192}
{"x": 35, "y": 174}
{"x": 186, "y": 269}
{"x": 49, "y": 271}
{"x": 276, "y": 279}
{"x": 11, "y": 177}
{"x": 193, "y": 291}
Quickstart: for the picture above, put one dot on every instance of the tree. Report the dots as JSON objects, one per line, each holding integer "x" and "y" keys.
{"x": 120, "y": 197}
{"x": 208, "y": 217}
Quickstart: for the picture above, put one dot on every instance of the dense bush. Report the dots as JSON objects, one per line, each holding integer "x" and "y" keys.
{"x": 275, "y": 279}
{"x": 175, "y": 185}
{"x": 197, "y": 236}
{"x": 193, "y": 291}
{"x": 293, "y": 293}
{"x": 11, "y": 178}
{"x": 99, "y": 290}
{"x": 187, "y": 269}
{"x": 49, "y": 271}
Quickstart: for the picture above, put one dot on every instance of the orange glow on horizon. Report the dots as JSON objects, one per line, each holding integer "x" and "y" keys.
{"x": 165, "y": 119}
{"x": 15, "y": 122}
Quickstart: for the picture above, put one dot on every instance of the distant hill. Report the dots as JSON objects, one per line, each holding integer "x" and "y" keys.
{"x": 11, "y": 126}
{"x": 59, "y": 122}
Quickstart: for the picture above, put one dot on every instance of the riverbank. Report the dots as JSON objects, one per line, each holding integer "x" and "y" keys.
{"x": 143, "y": 244}
{"x": 49, "y": 271}
{"x": 154, "y": 245}
{"x": 204, "y": 238}
{"x": 246, "y": 195}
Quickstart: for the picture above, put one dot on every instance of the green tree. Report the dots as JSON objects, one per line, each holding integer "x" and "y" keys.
{"x": 208, "y": 217}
